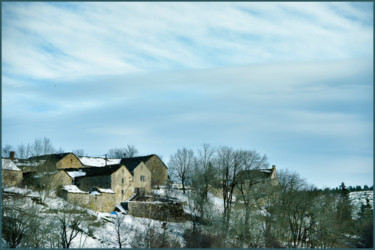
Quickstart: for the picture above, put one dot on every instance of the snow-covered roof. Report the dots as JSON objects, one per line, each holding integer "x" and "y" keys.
{"x": 98, "y": 162}
{"x": 73, "y": 189}
{"x": 9, "y": 165}
{"x": 102, "y": 190}
{"x": 95, "y": 193}
{"x": 75, "y": 174}
{"x": 29, "y": 163}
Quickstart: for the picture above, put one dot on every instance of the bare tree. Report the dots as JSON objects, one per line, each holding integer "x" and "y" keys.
{"x": 79, "y": 152}
{"x": 230, "y": 162}
{"x": 181, "y": 164}
{"x": 70, "y": 220}
{"x": 119, "y": 230}
{"x": 128, "y": 151}
{"x": 21, "y": 151}
{"x": 5, "y": 151}
{"x": 40, "y": 146}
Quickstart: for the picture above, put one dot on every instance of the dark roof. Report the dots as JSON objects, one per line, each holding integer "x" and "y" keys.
{"x": 132, "y": 162}
{"x": 99, "y": 171}
{"x": 256, "y": 174}
{"x": 50, "y": 157}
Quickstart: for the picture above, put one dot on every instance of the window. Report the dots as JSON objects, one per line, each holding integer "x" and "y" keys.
{"x": 122, "y": 191}
{"x": 123, "y": 180}
{"x": 143, "y": 178}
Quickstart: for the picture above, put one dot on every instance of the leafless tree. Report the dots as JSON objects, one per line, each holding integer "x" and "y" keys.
{"x": 40, "y": 146}
{"x": 79, "y": 152}
{"x": 21, "y": 151}
{"x": 5, "y": 151}
{"x": 120, "y": 231}
{"x": 128, "y": 151}
{"x": 181, "y": 164}
{"x": 229, "y": 162}
{"x": 70, "y": 220}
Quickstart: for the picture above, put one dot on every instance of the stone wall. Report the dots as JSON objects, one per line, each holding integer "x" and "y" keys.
{"x": 103, "y": 202}
{"x": 11, "y": 177}
{"x": 69, "y": 161}
{"x": 163, "y": 211}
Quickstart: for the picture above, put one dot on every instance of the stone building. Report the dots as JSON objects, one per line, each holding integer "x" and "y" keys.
{"x": 115, "y": 177}
{"x": 48, "y": 163}
{"x": 260, "y": 181}
{"x": 159, "y": 171}
{"x": 102, "y": 200}
{"x": 141, "y": 182}
{"x": 11, "y": 174}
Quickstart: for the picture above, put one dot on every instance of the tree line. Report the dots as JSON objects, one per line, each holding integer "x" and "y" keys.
{"x": 292, "y": 214}
{"x": 44, "y": 146}
{"x": 251, "y": 214}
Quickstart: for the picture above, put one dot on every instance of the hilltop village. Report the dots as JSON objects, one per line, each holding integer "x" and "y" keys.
{"x": 100, "y": 184}
{"x": 96, "y": 183}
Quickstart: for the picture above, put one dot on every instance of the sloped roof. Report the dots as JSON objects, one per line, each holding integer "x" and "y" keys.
{"x": 97, "y": 161}
{"x": 256, "y": 174}
{"x": 8, "y": 164}
{"x": 50, "y": 157}
{"x": 103, "y": 171}
{"x": 132, "y": 162}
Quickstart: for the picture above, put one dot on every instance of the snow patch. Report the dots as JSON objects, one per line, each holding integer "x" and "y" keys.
{"x": 75, "y": 174}
{"x": 73, "y": 189}
{"x": 98, "y": 162}
{"x": 103, "y": 190}
{"x": 9, "y": 165}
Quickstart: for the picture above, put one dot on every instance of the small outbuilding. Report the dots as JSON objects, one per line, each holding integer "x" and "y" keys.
{"x": 11, "y": 174}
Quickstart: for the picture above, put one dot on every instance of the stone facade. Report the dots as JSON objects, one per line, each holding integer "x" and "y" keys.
{"x": 121, "y": 184}
{"x": 159, "y": 171}
{"x": 102, "y": 202}
{"x": 60, "y": 178}
{"x": 142, "y": 179}
{"x": 120, "y": 181}
{"x": 11, "y": 177}
{"x": 69, "y": 161}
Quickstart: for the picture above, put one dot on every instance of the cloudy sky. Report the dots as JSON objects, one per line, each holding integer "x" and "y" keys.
{"x": 293, "y": 81}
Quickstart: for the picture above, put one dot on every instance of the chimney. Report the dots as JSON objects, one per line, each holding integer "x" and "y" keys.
{"x": 11, "y": 155}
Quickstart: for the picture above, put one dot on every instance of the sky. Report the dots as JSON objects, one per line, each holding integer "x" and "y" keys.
{"x": 290, "y": 80}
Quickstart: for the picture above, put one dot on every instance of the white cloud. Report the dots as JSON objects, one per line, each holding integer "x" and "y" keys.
{"x": 44, "y": 40}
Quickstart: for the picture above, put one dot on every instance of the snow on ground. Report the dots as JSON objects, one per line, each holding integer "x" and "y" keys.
{"x": 98, "y": 162}
{"x": 360, "y": 198}
{"x": 22, "y": 191}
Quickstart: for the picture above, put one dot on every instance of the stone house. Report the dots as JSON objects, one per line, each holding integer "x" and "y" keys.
{"x": 11, "y": 174}
{"x": 159, "y": 171}
{"x": 51, "y": 162}
{"x": 53, "y": 179}
{"x": 262, "y": 181}
{"x": 115, "y": 177}
{"x": 141, "y": 181}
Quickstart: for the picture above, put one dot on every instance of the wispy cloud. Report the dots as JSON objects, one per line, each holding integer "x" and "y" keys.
{"x": 44, "y": 40}
{"x": 292, "y": 80}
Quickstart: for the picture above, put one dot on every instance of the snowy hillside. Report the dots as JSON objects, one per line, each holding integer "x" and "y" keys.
{"x": 103, "y": 231}
{"x": 360, "y": 198}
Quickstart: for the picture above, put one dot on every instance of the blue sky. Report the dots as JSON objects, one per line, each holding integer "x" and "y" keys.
{"x": 291, "y": 80}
